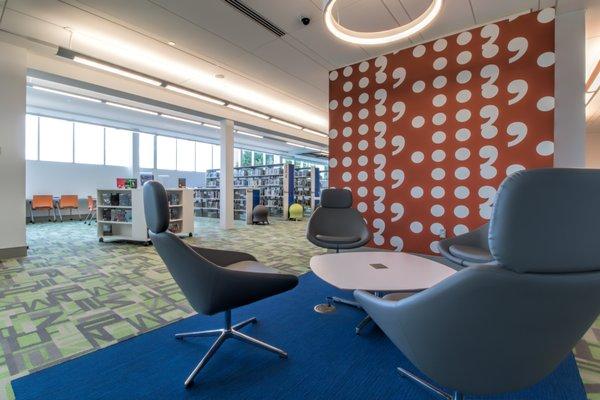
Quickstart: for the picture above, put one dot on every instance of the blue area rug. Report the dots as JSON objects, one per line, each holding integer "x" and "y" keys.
{"x": 327, "y": 361}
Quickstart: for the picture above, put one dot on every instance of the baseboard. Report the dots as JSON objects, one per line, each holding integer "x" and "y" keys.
{"x": 13, "y": 252}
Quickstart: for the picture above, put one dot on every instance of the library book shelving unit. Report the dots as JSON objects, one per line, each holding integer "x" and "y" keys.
{"x": 207, "y": 201}
{"x": 307, "y": 188}
{"x": 121, "y": 214}
{"x": 275, "y": 184}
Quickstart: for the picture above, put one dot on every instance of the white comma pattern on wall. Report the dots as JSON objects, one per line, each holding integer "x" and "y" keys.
{"x": 423, "y": 137}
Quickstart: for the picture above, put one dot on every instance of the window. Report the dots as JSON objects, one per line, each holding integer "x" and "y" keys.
{"x": 146, "y": 150}
{"x": 31, "y": 137}
{"x": 268, "y": 159}
{"x": 118, "y": 147}
{"x": 186, "y": 155}
{"x": 259, "y": 158}
{"x": 166, "y": 153}
{"x": 237, "y": 157}
{"x": 203, "y": 156}
{"x": 246, "y": 158}
{"x": 216, "y": 157}
{"x": 56, "y": 140}
{"x": 89, "y": 144}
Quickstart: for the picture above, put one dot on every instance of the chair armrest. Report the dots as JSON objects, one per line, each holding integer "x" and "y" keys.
{"x": 222, "y": 258}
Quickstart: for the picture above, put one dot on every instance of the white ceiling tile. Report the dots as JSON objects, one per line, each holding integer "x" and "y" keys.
{"x": 221, "y": 19}
{"x": 283, "y": 55}
{"x": 286, "y": 14}
{"x": 455, "y": 15}
{"x": 354, "y": 16}
{"x": 320, "y": 40}
{"x": 489, "y": 10}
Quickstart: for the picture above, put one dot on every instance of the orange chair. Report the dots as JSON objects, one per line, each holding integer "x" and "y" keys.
{"x": 42, "y": 202}
{"x": 68, "y": 202}
{"x": 91, "y": 204}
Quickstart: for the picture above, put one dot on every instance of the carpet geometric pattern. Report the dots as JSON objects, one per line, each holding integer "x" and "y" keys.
{"x": 73, "y": 295}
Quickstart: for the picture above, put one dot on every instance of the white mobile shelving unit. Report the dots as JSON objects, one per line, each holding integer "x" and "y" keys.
{"x": 121, "y": 214}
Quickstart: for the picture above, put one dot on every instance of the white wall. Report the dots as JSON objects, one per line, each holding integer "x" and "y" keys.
{"x": 13, "y": 70}
{"x": 55, "y": 178}
{"x": 44, "y": 177}
{"x": 170, "y": 178}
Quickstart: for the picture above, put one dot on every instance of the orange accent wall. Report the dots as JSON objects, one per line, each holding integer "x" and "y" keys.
{"x": 424, "y": 136}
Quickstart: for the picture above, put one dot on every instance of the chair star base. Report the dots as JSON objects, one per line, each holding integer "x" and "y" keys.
{"x": 229, "y": 332}
{"x": 428, "y": 386}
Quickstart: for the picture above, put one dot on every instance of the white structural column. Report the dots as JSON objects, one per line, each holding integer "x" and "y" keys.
{"x": 135, "y": 156}
{"x": 13, "y": 72}
{"x": 569, "y": 86}
{"x": 226, "y": 179}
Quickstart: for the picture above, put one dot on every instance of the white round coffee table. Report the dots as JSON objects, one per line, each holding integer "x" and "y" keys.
{"x": 378, "y": 272}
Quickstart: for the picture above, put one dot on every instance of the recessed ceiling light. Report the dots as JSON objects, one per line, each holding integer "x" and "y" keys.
{"x": 171, "y": 43}
{"x": 110, "y": 103}
{"x": 60, "y": 92}
{"x": 380, "y": 37}
{"x": 285, "y": 123}
{"x": 196, "y": 95}
{"x": 115, "y": 70}
{"x": 247, "y": 111}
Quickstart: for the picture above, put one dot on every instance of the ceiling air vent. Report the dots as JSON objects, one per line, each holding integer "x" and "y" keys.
{"x": 256, "y": 17}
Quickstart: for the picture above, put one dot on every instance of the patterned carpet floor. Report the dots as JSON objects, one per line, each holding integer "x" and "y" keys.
{"x": 73, "y": 295}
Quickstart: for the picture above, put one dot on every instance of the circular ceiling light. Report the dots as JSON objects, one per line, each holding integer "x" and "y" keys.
{"x": 380, "y": 37}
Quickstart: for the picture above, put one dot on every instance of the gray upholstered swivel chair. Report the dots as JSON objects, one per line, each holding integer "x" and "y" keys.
{"x": 336, "y": 225}
{"x": 497, "y": 328}
{"x": 469, "y": 249}
{"x": 213, "y": 281}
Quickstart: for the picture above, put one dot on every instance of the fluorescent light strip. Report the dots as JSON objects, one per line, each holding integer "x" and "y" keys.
{"x": 116, "y": 70}
{"x": 189, "y": 121}
{"x": 131, "y": 108}
{"x": 194, "y": 94}
{"x": 60, "y": 92}
{"x": 312, "y": 148}
{"x": 304, "y": 147}
{"x": 247, "y": 111}
{"x": 315, "y": 132}
{"x": 285, "y": 123}
{"x": 213, "y": 126}
{"x": 250, "y": 134}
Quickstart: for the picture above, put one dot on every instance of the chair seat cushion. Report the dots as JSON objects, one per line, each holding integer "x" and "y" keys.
{"x": 397, "y": 296}
{"x": 471, "y": 253}
{"x": 252, "y": 266}
{"x": 338, "y": 239}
